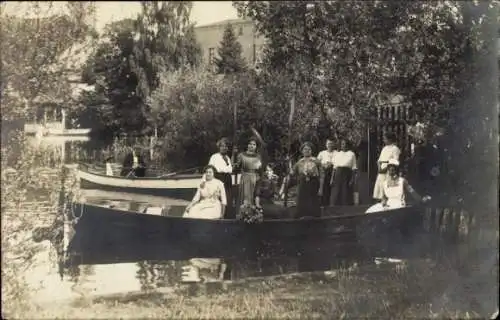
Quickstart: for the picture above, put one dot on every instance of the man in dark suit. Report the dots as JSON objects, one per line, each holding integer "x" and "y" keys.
{"x": 134, "y": 164}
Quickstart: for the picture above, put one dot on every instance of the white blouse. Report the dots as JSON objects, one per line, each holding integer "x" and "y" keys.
{"x": 217, "y": 160}
{"x": 211, "y": 190}
{"x": 326, "y": 157}
{"x": 346, "y": 159}
{"x": 388, "y": 152}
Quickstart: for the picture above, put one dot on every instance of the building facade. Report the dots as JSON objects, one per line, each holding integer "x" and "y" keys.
{"x": 210, "y": 36}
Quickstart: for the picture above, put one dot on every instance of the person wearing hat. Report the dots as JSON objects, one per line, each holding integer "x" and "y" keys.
{"x": 389, "y": 151}
{"x": 224, "y": 168}
{"x": 394, "y": 190}
{"x": 309, "y": 176}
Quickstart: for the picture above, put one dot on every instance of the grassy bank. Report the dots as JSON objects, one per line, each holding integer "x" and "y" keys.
{"x": 418, "y": 290}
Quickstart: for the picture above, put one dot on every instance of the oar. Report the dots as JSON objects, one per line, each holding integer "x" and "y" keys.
{"x": 264, "y": 154}
{"x": 289, "y": 160}
{"x": 170, "y": 174}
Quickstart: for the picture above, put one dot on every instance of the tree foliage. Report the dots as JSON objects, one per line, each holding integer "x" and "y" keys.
{"x": 230, "y": 59}
{"x": 40, "y": 51}
{"x": 357, "y": 55}
{"x": 125, "y": 67}
{"x": 195, "y": 108}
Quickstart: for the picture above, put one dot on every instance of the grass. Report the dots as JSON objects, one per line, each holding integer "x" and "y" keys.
{"x": 383, "y": 292}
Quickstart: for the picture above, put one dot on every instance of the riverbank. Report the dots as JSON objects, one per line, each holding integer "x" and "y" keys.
{"x": 419, "y": 289}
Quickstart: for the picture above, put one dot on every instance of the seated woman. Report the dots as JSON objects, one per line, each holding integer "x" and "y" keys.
{"x": 265, "y": 191}
{"x": 394, "y": 190}
{"x": 210, "y": 201}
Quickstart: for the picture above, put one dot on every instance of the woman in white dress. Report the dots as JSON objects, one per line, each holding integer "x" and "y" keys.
{"x": 390, "y": 151}
{"x": 210, "y": 201}
{"x": 394, "y": 190}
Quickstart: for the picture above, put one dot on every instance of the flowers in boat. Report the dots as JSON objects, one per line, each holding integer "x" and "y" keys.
{"x": 250, "y": 213}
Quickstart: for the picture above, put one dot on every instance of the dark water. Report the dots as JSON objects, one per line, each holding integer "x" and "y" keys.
{"x": 137, "y": 276}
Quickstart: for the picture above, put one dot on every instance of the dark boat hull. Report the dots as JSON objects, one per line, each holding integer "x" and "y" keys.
{"x": 111, "y": 231}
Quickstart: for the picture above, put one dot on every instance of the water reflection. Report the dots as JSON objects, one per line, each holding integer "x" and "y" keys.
{"x": 59, "y": 149}
{"x": 131, "y": 269}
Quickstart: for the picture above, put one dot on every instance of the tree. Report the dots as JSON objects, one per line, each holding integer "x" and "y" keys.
{"x": 355, "y": 56}
{"x": 166, "y": 42}
{"x": 353, "y": 67}
{"x": 230, "y": 59}
{"x": 108, "y": 69}
{"x": 195, "y": 108}
{"x": 39, "y": 52}
{"x": 135, "y": 51}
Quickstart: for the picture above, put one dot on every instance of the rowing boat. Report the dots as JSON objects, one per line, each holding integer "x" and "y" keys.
{"x": 181, "y": 186}
{"x": 101, "y": 229}
{"x": 176, "y": 186}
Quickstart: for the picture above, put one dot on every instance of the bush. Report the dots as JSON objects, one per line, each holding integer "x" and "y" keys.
{"x": 195, "y": 108}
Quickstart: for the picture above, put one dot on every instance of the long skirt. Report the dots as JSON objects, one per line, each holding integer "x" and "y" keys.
{"x": 327, "y": 188}
{"x": 227, "y": 180}
{"x": 308, "y": 201}
{"x": 205, "y": 209}
{"x": 342, "y": 192}
{"x": 247, "y": 188}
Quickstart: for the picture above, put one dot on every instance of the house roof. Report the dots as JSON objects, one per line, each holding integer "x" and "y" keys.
{"x": 224, "y": 23}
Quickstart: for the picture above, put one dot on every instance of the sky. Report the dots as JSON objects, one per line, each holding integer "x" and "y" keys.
{"x": 203, "y": 12}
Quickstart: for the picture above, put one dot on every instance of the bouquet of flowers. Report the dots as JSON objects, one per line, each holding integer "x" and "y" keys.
{"x": 250, "y": 213}
{"x": 310, "y": 170}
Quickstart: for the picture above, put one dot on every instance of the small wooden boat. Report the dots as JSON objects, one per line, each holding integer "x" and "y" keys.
{"x": 176, "y": 186}
{"x": 181, "y": 186}
{"x": 102, "y": 231}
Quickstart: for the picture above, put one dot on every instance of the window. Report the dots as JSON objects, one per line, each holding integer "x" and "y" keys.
{"x": 240, "y": 32}
{"x": 211, "y": 55}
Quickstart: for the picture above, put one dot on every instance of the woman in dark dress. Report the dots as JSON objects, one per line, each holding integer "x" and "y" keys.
{"x": 265, "y": 191}
{"x": 344, "y": 175}
{"x": 309, "y": 175}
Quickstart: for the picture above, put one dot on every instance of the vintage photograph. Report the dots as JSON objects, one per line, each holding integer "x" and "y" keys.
{"x": 250, "y": 159}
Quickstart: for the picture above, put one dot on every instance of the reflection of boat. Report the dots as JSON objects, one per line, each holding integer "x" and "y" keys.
{"x": 173, "y": 185}
{"x": 108, "y": 235}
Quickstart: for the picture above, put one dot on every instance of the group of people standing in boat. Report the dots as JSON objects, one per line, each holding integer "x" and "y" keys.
{"x": 329, "y": 179}
{"x": 257, "y": 184}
